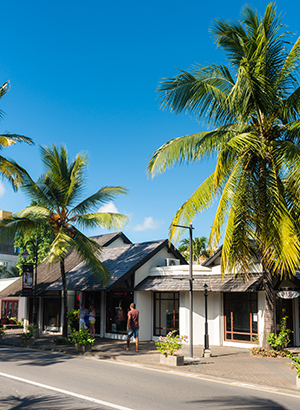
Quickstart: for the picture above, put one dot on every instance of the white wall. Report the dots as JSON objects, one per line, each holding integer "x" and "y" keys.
{"x": 157, "y": 260}
{"x": 214, "y": 312}
{"x": 143, "y": 301}
{"x": 260, "y": 315}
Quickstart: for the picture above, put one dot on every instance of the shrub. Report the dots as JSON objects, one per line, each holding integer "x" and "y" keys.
{"x": 280, "y": 341}
{"x": 61, "y": 340}
{"x": 73, "y": 315}
{"x": 260, "y": 351}
{"x": 168, "y": 345}
{"x": 81, "y": 337}
{"x": 295, "y": 364}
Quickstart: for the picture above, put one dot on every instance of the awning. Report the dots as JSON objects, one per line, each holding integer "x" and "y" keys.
{"x": 215, "y": 284}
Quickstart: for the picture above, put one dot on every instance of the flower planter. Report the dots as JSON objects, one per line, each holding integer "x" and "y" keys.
{"x": 83, "y": 349}
{"x": 35, "y": 335}
{"x": 26, "y": 342}
{"x": 298, "y": 382}
{"x": 171, "y": 360}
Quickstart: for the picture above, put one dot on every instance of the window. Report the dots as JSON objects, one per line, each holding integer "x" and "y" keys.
{"x": 117, "y": 307}
{"x": 166, "y": 312}
{"x": 240, "y": 316}
{"x": 9, "y": 309}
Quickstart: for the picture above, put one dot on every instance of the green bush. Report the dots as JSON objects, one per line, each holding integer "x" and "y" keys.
{"x": 280, "y": 341}
{"x": 295, "y": 364}
{"x": 73, "y": 315}
{"x": 168, "y": 345}
{"x": 61, "y": 340}
{"x": 81, "y": 337}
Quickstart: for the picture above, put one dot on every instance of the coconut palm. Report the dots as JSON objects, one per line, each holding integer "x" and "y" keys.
{"x": 58, "y": 194}
{"x": 8, "y": 168}
{"x": 253, "y": 107}
{"x": 199, "y": 248}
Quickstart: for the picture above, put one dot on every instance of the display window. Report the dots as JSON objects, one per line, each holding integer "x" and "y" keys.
{"x": 166, "y": 312}
{"x": 9, "y": 309}
{"x": 117, "y": 308}
{"x": 241, "y": 319}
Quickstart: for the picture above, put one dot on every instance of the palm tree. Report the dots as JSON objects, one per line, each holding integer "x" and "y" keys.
{"x": 199, "y": 248}
{"x": 253, "y": 107}
{"x": 58, "y": 194}
{"x": 8, "y": 168}
{"x": 12, "y": 272}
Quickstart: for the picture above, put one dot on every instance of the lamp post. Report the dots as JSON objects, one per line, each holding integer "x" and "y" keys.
{"x": 206, "y": 350}
{"x": 35, "y": 262}
{"x": 190, "y": 227}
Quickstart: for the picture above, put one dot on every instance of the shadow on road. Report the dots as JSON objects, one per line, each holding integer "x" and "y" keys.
{"x": 31, "y": 357}
{"x": 239, "y": 402}
{"x": 42, "y": 402}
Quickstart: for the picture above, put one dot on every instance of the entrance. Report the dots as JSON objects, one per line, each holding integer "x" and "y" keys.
{"x": 284, "y": 307}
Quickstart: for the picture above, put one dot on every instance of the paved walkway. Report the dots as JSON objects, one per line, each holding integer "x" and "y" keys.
{"x": 227, "y": 363}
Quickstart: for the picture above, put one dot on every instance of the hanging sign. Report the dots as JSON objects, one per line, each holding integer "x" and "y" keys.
{"x": 27, "y": 278}
{"x": 288, "y": 294}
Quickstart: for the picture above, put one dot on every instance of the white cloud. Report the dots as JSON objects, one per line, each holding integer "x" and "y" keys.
{"x": 109, "y": 207}
{"x": 2, "y": 189}
{"x": 149, "y": 223}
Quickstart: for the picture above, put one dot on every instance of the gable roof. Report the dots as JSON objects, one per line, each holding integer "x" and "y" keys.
{"x": 120, "y": 261}
{"x": 47, "y": 275}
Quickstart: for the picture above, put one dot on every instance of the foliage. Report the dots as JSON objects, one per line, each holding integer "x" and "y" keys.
{"x": 45, "y": 237}
{"x": 170, "y": 344}
{"x": 253, "y": 108}
{"x": 61, "y": 340}
{"x": 20, "y": 323}
{"x": 73, "y": 315}
{"x": 30, "y": 330}
{"x": 81, "y": 337}
{"x": 295, "y": 364}
{"x": 12, "y": 272}
{"x": 58, "y": 195}
{"x": 1, "y": 330}
{"x": 199, "y": 248}
{"x": 9, "y": 169}
{"x": 260, "y": 351}
{"x": 280, "y": 341}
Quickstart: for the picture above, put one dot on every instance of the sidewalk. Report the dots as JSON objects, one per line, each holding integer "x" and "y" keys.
{"x": 227, "y": 363}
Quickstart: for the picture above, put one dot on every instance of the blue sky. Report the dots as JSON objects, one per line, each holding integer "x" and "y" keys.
{"x": 85, "y": 73}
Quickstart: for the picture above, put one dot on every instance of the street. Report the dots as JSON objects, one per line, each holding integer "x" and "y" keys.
{"x": 32, "y": 379}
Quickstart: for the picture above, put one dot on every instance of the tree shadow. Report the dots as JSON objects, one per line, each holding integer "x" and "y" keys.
{"x": 33, "y": 402}
{"x": 32, "y": 357}
{"x": 239, "y": 402}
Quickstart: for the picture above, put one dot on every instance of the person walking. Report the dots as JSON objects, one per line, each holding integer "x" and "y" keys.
{"x": 133, "y": 326}
{"x": 81, "y": 315}
{"x": 92, "y": 320}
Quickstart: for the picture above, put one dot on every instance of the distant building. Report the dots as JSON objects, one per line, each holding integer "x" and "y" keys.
{"x": 8, "y": 254}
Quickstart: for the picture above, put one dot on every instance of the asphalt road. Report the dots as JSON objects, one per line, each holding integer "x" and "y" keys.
{"x": 32, "y": 379}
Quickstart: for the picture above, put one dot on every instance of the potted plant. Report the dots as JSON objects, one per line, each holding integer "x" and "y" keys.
{"x": 1, "y": 331}
{"x": 169, "y": 346}
{"x": 295, "y": 365}
{"x": 82, "y": 340}
{"x": 26, "y": 338}
{"x": 73, "y": 318}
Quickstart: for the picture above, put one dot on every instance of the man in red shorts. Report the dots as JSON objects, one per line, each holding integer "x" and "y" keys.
{"x": 133, "y": 326}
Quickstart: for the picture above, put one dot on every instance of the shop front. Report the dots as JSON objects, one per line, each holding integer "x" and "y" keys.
{"x": 117, "y": 307}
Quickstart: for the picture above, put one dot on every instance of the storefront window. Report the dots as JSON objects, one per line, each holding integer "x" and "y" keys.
{"x": 117, "y": 307}
{"x": 52, "y": 307}
{"x": 166, "y": 312}
{"x": 9, "y": 309}
{"x": 241, "y": 316}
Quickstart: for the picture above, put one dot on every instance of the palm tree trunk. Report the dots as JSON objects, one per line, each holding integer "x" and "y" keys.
{"x": 65, "y": 298}
{"x": 270, "y": 308}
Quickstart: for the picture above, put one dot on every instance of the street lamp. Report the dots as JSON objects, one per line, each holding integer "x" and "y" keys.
{"x": 206, "y": 350}
{"x": 190, "y": 227}
{"x": 35, "y": 262}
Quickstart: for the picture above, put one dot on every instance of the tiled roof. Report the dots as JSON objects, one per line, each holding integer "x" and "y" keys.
{"x": 47, "y": 275}
{"x": 215, "y": 283}
{"x": 120, "y": 261}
